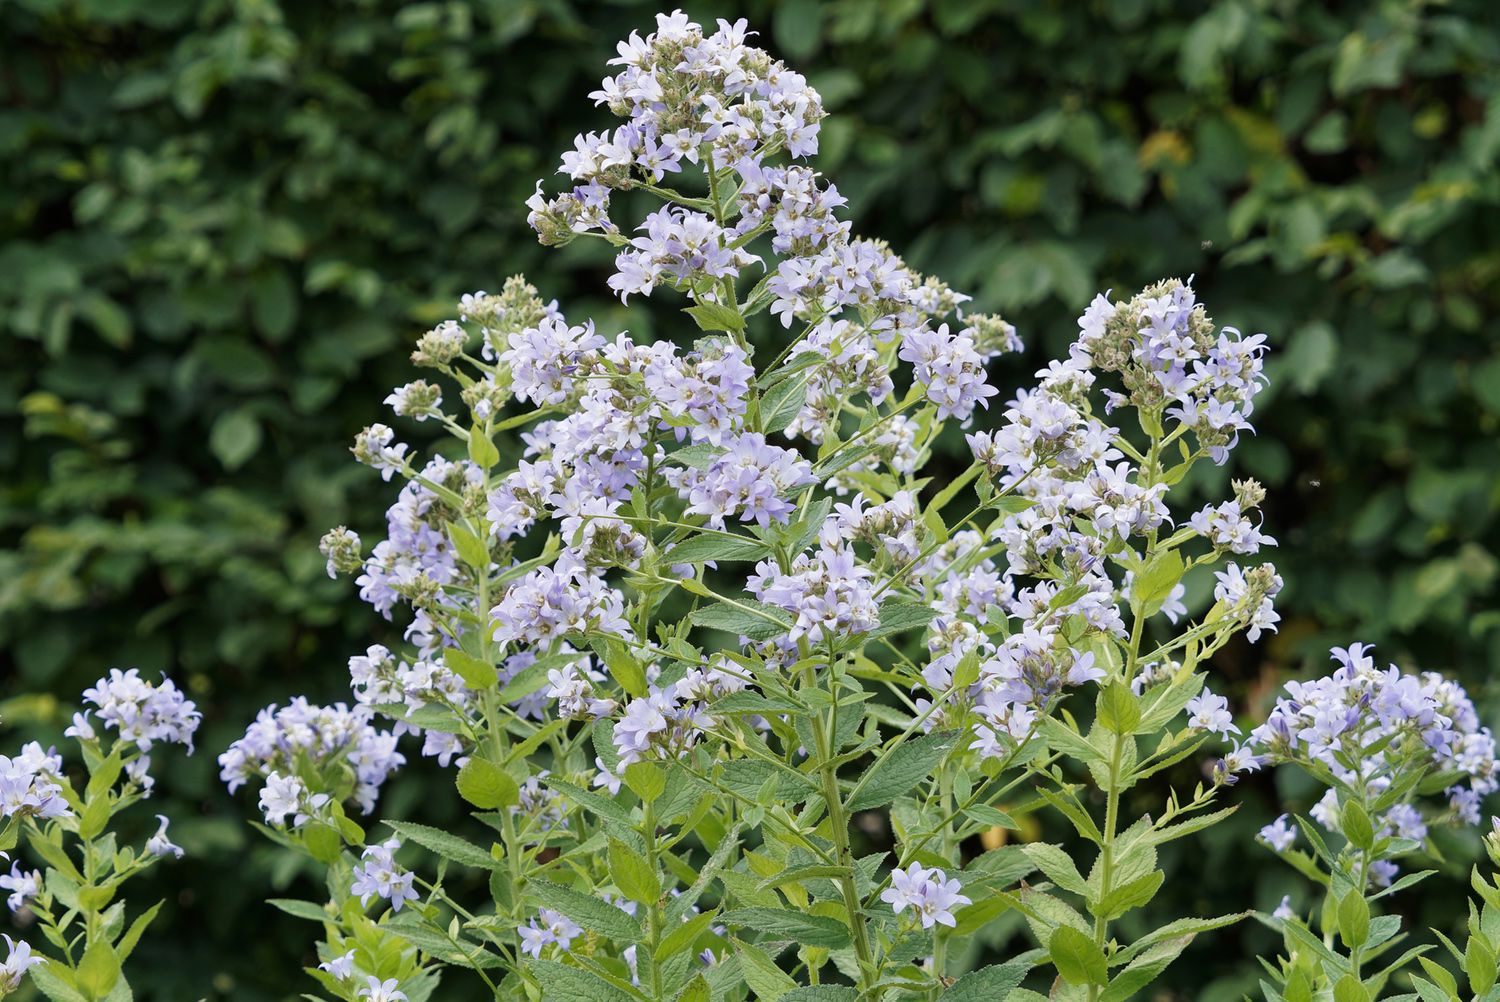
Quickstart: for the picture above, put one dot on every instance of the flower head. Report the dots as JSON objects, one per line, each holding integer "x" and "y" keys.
{"x": 929, "y": 893}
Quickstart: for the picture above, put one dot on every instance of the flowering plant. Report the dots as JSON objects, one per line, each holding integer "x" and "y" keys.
{"x": 76, "y": 905}
{"x": 1379, "y": 741}
{"x": 695, "y": 626}
{"x": 667, "y": 750}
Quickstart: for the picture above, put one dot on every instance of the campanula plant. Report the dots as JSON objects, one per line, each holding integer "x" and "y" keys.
{"x": 729, "y": 673}
{"x": 679, "y": 613}
{"x": 76, "y": 904}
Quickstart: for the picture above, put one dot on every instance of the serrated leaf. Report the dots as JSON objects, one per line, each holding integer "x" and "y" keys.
{"x": 1077, "y": 957}
{"x": 1144, "y": 969}
{"x": 988, "y": 983}
{"x": 476, "y": 674}
{"x": 767, "y": 981}
{"x": 588, "y": 911}
{"x": 716, "y": 317}
{"x": 756, "y": 621}
{"x": 901, "y": 769}
{"x": 301, "y": 909}
{"x": 1058, "y": 866}
{"x": 561, "y": 983}
{"x": 645, "y": 779}
{"x": 1150, "y": 588}
{"x": 809, "y": 930}
{"x": 781, "y": 403}
{"x": 716, "y": 546}
{"x": 1119, "y": 708}
{"x": 624, "y": 666}
{"x": 98, "y": 970}
{"x": 449, "y": 847}
{"x": 633, "y": 874}
{"x": 486, "y": 785}
{"x": 898, "y": 616}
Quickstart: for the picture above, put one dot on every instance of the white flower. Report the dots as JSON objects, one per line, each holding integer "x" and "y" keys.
{"x": 1278, "y": 834}
{"x": 159, "y": 844}
{"x": 1210, "y": 712}
{"x": 388, "y": 990}
{"x": 931, "y": 895}
{"x": 20, "y": 960}
{"x": 340, "y": 967}
{"x": 22, "y": 886}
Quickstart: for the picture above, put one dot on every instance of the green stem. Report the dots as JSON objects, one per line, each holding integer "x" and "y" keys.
{"x": 838, "y": 822}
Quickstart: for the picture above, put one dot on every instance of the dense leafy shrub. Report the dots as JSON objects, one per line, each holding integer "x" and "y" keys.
{"x": 224, "y": 223}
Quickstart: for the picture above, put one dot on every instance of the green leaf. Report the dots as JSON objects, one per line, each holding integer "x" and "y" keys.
{"x": 1175, "y": 929}
{"x": 821, "y": 993}
{"x": 633, "y": 874}
{"x": 1058, "y": 866}
{"x": 697, "y": 990}
{"x": 760, "y": 622}
{"x": 132, "y": 936}
{"x": 898, "y": 616}
{"x": 767, "y": 981}
{"x": 624, "y": 667}
{"x": 684, "y": 935}
{"x": 588, "y": 911}
{"x": 95, "y": 815}
{"x": 323, "y": 841}
{"x": 1149, "y": 590}
{"x": 234, "y": 438}
{"x": 782, "y": 402}
{"x": 481, "y": 450}
{"x": 486, "y": 785}
{"x": 809, "y": 930}
{"x": 301, "y": 909}
{"x": 991, "y": 817}
{"x": 1132, "y": 894}
{"x": 1119, "y": 708}
{"x": 1354, "y": 919}
{"x": 471, "y": 549}
{"x": 1077, "y": 957}
{"x": 1144, "y": 969}
{"x": 716, "y": 317}
{"x": 1479, "y": 964}
{"x": 646, "y": 780}
{"x": 900, "y": 770}
{"x": 449, "y": 847}
{"x": 988, "y": 983}
{"x": 1349, "y": 989}
{"x": 98, "y": 970}
{"x": 52, "y": 985}
{"x": 476, "y": 674}
{"x": 1063, "y": 738}
{"x": 716, "y": 546}
{"x": 561, "y": 983}
{"x": 1355, "y": 824}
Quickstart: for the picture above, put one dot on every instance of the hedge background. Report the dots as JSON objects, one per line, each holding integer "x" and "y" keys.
{"x": 222, "y": 223}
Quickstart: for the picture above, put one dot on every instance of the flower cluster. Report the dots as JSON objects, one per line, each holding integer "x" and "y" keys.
{"x": 142, "y": 712}
{"x": 29, "y": 784}
{"x": 929, "y": 893}
{"x": 585, "y": 643}
{"x": 281, "y": 737}
{"x": 751, "y": 480}
{"x": 1365, "y": 731}
{"x": 379, "y": 875}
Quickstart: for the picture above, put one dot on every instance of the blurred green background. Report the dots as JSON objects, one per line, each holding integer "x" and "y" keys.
{"x": 223, "y": 223}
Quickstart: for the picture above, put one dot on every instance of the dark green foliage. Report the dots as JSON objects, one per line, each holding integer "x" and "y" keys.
{"x": 223, "y": 224}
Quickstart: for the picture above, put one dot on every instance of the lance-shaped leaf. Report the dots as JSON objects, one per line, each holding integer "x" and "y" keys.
{"x": 778, "y": 923}
{"x": 901, "y": 769}
{"x": 588, "y": 911}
